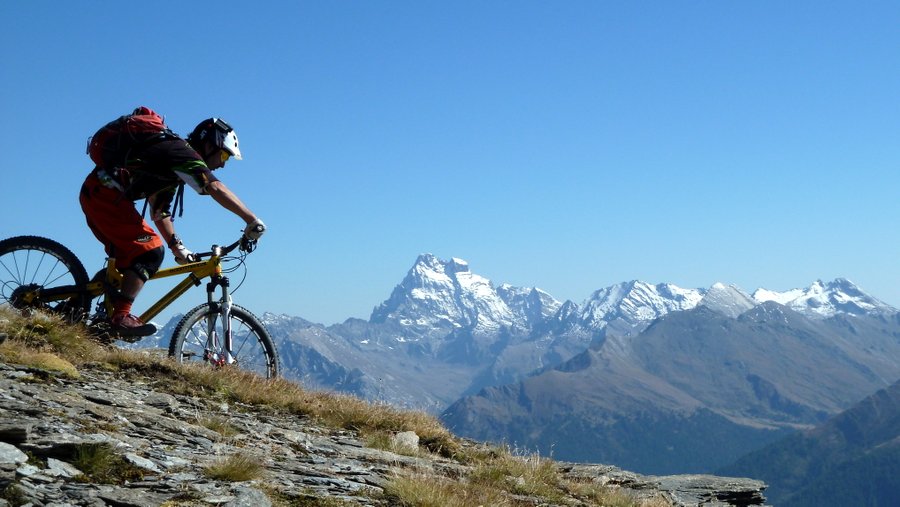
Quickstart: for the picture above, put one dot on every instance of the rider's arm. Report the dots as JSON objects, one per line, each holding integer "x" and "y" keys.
{"x": 226, "y": 198}
{"x": 166, "y": 229}
{"x": 159, "y": 211}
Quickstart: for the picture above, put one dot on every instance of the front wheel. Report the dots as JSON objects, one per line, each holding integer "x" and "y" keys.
{"x": 200, "y": 337}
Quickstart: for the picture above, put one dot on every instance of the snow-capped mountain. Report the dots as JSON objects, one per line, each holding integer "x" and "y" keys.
{"x": 826, "y": 299}
{"x": 439, "y": 295}
{"x": 636, "y": 302}
{"x": 532, "y": 304}
{"x": 728, "y": 300}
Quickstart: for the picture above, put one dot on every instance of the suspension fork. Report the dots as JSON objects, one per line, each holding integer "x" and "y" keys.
{"x": 224, "y": 305}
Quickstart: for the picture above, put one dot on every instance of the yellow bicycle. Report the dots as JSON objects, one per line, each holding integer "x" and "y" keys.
{"x": 39, "y": 273}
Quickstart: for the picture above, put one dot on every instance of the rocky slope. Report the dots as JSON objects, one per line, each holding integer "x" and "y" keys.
{"x": 166, "y": 447}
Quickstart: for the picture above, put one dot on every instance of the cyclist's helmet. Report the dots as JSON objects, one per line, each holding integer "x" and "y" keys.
{"x": 218, "y": 133}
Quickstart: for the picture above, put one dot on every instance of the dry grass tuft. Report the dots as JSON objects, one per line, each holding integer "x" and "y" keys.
{"x": 501, "y": 478}
{"x": 40, "y": 360}
{"x": 237, "y": 467}
{"x": 429, "y": 490}
{"x": 99, "y": 463}
{"x": 219, "y": 424}
{"x": 529, "y": 475}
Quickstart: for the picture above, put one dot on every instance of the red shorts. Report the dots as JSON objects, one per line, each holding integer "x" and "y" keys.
{"x": 116, "y": 223}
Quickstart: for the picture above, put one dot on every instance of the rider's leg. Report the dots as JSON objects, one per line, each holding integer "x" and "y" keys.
{"x": 131, "y": 287}
{"x": 137, "y": 248}
{"x": 142, "y": 268}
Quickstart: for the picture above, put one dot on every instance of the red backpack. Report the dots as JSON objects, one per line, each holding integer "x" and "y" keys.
{"x": 113, "y": 144}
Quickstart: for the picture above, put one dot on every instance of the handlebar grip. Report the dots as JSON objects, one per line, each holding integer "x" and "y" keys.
{"x": 226, "y": 249}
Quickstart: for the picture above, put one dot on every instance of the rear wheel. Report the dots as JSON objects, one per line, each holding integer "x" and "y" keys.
{"x": 32, "y": 264}
{"x": 200, "y": 337}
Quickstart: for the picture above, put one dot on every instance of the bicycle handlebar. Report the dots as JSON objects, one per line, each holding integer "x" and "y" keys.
{"x": 246, "y": 245}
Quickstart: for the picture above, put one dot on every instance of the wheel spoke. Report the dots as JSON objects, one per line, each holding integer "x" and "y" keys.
{"x": 47, "y": 280}
{"x": 15, "y": 277}
{"x": 251, "y": 346}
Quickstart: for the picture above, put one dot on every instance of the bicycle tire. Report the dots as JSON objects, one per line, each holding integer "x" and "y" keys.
{"x": 253, "y": 347}
{"x": 33, "y": 262}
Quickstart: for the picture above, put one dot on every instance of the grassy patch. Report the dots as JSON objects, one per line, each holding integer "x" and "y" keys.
{"x": 219, "y": 424}
{"x": 28, "y": 345}
{"x": 236, "y": 467}
{"x": 429, "y": 490}
{"x": 14, "y": 495}
{"x": 499, "y": 477}
{"x": 308, "y": 498}
{"x": 522, "y": 475}
{"x": 99, "y": 463}
{"x": 184, "y": 499}
{"x": 44, "y": 332}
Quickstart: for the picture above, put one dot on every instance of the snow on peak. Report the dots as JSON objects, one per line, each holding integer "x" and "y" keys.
{"x": 637, "y": 301}
{"x": 825, "y": 299}
{"x": 532, "y": 303}
{"x": 458, "y": 264}
{"x": 446, "y": 294}
{"x": 728, "y": 300}
{"x": 442, "y": 294}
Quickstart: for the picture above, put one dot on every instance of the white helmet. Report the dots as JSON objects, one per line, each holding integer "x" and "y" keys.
{"x": 219, "y": 133}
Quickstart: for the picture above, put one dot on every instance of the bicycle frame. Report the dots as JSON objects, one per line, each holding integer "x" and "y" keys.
{"x": 196, "y": 272}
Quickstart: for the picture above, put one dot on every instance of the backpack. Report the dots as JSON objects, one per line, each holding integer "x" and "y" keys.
{"x": 112, "y": 145}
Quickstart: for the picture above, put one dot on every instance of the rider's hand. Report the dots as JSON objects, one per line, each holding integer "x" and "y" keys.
{"x": 182, "y": 254}
{"x": 255, "y": 229}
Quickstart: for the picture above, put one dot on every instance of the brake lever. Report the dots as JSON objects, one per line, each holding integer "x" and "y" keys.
{"x": 247, "y": 245}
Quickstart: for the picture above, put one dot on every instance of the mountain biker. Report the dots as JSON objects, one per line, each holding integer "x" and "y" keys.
{"x": 157, "y": 171}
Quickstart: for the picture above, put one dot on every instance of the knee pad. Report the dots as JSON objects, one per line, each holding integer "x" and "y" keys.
{"x": 148, "y": 263}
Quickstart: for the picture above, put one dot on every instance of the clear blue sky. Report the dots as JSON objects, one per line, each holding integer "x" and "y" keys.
{"x": 567, "y": 145}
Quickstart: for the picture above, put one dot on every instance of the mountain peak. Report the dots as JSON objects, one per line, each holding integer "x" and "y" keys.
{"x": 637, "y": 301}
{"x": 826, "y": 299}
{"x": 728, "y": 300}
{"x": 427, "y": 261}
{"x": 445, "y": 294}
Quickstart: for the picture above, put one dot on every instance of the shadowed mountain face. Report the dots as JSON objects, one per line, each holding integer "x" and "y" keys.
{"x": 852, "y": 459}
{"x": 694, "y": 391}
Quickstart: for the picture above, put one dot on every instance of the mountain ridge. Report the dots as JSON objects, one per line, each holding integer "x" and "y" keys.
{"x": 442, "y": 316}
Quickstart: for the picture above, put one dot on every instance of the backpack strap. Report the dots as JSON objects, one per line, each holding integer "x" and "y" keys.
{"x": 177, "y": 203}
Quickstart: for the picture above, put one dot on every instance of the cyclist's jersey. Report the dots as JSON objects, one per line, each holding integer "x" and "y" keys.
{"x": 157, "y": 170}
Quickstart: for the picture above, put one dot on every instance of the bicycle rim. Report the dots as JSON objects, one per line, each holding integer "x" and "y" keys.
{"x": 31, "y": 263}
{"x": 252, "y": 347}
